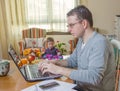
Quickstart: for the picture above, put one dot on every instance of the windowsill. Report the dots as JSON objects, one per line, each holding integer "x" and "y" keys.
{"x": 58, "y": 33}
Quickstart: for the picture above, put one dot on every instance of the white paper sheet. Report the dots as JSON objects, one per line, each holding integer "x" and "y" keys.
{"x": 63, "y": 86}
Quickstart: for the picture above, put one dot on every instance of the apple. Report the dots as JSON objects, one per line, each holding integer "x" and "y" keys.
{"x": 31, "y": 58}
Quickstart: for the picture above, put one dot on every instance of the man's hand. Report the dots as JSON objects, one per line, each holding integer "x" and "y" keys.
{"x": 43, "y": 63}
{"x": 50, "y": 66}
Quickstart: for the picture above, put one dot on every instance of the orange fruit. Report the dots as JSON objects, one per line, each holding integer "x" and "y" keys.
{"x": 24, "y": 61}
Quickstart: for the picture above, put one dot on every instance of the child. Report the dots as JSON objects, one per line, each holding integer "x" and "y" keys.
{"x": 51, "y": 52}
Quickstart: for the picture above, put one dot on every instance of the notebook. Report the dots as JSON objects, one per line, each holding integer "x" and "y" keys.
{"x": 30, "y": 72}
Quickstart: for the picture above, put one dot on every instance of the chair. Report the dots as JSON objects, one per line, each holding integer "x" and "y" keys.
{"x": 73, "y": 44}
{"x": 30, "y": 34}
{"x": 116, "y": 46}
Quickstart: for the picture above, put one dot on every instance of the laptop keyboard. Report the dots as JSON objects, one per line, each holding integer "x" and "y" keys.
{"x": 39, "y": 74}
{"x": 35, "y": 73}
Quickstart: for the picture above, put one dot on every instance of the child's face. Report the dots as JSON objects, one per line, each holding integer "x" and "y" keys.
{"x": 50, "y": 45}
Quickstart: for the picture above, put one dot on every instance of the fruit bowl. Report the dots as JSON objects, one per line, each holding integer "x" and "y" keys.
{"x": 30, "y": 56}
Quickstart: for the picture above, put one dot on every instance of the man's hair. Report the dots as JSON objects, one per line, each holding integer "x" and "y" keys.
{"x": 50, "y": 39}
{"x": 82, "y": 13}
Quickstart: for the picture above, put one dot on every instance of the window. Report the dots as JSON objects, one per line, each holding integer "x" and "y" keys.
{"x": 48, "y": 14}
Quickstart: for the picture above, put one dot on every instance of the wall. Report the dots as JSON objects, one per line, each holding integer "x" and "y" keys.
{"x": 104, "y": 12}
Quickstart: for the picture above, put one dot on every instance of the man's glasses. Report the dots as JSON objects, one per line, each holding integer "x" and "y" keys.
{"x": 73, "y": 24}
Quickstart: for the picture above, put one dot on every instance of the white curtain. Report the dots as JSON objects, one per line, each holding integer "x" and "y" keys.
{"x": 3, "y": 35}
{"x": 12, "y": 22}
{"x": 48, "y": 14}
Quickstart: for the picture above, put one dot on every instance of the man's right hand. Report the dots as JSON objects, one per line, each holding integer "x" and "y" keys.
{"x": 45, "y": 61}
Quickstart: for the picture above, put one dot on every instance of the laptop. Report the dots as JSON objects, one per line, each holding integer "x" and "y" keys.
{"x": 30, "y": 72}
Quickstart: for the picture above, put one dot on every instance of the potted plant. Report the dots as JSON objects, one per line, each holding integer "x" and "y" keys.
{"x": 61, "y": 47}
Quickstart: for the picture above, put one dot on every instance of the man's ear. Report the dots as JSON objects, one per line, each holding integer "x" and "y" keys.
{"x": 85, "y": 23}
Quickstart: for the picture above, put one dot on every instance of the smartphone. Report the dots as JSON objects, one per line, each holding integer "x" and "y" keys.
{"x": 49, "y": 85}
{"x": 77, "y": 88}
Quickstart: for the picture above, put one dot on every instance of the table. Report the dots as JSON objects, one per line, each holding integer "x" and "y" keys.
{"x": 15, "y": 82}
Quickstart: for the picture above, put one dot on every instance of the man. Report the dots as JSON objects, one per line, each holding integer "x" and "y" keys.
{"x": 93, "y": 56}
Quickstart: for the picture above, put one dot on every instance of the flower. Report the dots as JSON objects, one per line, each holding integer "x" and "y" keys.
{"x": 33, "y": 43}
{"x": 27, "y": 51}
{"x": 61, "y": 47}
{"x": 33, "y": 51}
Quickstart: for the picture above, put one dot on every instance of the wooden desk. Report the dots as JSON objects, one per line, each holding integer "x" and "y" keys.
{"x": 15, "y": 82}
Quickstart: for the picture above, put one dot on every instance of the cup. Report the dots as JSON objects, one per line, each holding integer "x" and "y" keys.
{"x": 4, "y": 67}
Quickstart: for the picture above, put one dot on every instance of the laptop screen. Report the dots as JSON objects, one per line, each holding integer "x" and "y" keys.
{"x": 14, "y": 55}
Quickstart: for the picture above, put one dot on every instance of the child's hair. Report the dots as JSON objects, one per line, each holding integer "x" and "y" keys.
{"x": 50, "y": 39}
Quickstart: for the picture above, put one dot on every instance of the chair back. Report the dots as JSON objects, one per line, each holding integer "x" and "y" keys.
{"x": 30, "y": 33}
{"x": 73, "y": 44}
{"x": 33, "y": 33}
{"x": 116, "y": 46}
